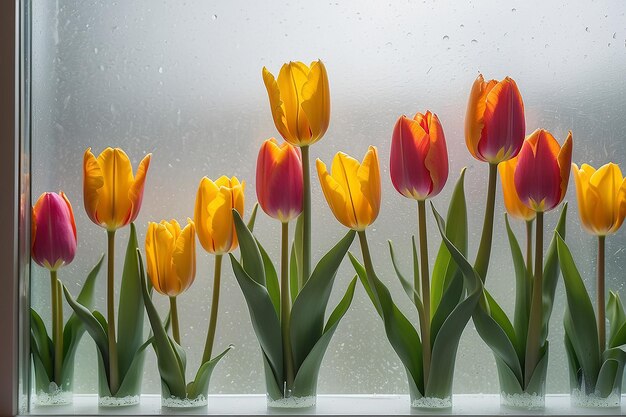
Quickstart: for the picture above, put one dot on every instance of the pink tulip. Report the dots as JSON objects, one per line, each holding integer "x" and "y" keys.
{"x": 53, "y": 231}
{"x": 419, "y": 157}
{"x": 279, "y": 183}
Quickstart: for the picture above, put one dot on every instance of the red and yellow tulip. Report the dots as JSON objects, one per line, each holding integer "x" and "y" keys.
{"x": 300, "y": 101}
{"x": 352, "y": 189}
{"x": 53, "y": 233}
{"x": 171, "y": 256}
{"x": 213, "y": 215}
{"x": 601, "y": 198}
{"x": 494, "y": 124}
{"x": 542, "y": 171}
{"x": 279, "y": 183}
{"x": 419, "y": 157}
{"x": 112, "y": 194}
{"x": 512, "y": 202}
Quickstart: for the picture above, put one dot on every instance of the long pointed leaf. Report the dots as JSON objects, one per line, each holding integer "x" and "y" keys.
{"x": 307, "y": 313}
{"x": 611, "y": 372}
{"x": 616, "y": 316}
{"x": 406, "y": 285}
{"x": 251, "y": 260}
{"x": 200, "y": 384}
{"x": 41, "y": 343}
{"x": 271, "y": 278}
{"x": 252, "y": 220}
{"x": 263, "y": 316}
{"x": 360, "y": 270}
{"x": 451, "y": 298}
{"x": 582, "y": 327}
{"x": 456, "y": 230}
{"x": 131, "y": 311}
{"x": 294, "y": 287}
{"x": 573, "y": 364}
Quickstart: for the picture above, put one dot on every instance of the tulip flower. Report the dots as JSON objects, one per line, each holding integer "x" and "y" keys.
{"x": 542, "y": 171}
{"x": 279, "y": 180}
{"x": 53, "y": 240}
{"x": 494, "y": 124}
{"x": 300, "y": 101}
{"x": 53, "y": 245}
{"x": 171, "y": 260}
{"x": 494, "y": 132}
{"x": 215, "y": 226}
{"x": 112, "y": 194}
{"x": 352, "y": 189}
{"x": 213, "y": 213}
{"x": 419, "y": 157}
{"x": 512, "y": 202}
{"x": 601, "y": 198}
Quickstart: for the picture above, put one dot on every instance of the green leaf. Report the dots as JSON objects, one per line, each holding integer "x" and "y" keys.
{"x": 293, "y": 274}
{"x": 265, "y": 322}
{"x": 538, "y": 378}
{"x": 582, "y": 326}
{"x": 41, "y": 344}
{"x": 252, "y": 220}
{"x": 305, "y": 381}
{"x": 522, "y": 293}
{"x": 271, "y": 278}
{"x": 575, "y": 371}
{"x": 616, "y": 316}
{"x": 170, "y": 369}
{"x": 450, "y": 300}
{"x": 406, "y": 285}
{"x": 251, "y": 260}
{"x": 43, "y": 376}
{"x": 400, "y": 332}
{"x": 200, "y": 384}
{"x": 298, "y": 242}
{"x": 74, "y": 329}
{"x": 131, "y": 384}
{"x": 131, "y": 310}
{"x": 444, "y": 268}
{"x": 611, "y": 372}
{"x": 551, "y": 274}
{"x": 307, "y": 313}
{"x": 447, "y": 341}
{"x": 93, "y": 327}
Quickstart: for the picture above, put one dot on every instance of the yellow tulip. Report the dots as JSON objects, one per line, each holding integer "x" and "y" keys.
{"x": 213, "y": 214}
{"x": 171, "y": 256}
{"x": 512, "y": 202}
{"x": 112, "y": 195}
{"x": 352, "y": 189}
{"x": 601, "y": 198}
{"x": 300, "y": 101}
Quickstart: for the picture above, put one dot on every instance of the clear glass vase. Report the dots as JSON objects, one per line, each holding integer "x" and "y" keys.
{"x": 168, "y": 400}
{"x": 303, "y": 395}
{"x": 514, "y": 395}
{"x": 439, "y": 400}
{"x": 129, "y": 392}
{"x": 49, "y": 393}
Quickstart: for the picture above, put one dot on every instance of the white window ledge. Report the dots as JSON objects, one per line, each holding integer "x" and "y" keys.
{"x": 327, "y": 405}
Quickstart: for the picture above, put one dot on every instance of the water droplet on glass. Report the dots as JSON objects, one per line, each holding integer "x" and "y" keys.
{"x": 214, "y": 17}
{"x": 587, "y": 29}
{"x": 614, "y": 33}
{"x": 462, "y": 26}
{"x": 474, "y": 41}
{"x": 231, "y": 346}
{"x": 513, "y": 9}
{"x": 101, "y": 67}
{"x": 160, "y": 70}
{"x": 95, "y": 51}
{"x": 446, "y": 37}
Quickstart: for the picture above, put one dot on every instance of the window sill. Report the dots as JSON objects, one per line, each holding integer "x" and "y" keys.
{"x": 327, "y": 405}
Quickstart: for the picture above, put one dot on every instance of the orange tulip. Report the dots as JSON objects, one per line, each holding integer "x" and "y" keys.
{"x": 419, "y": 157}
{"x": 542, "y": 171}
{"x": 279, "y": 180}
{"x": 111, "y": 193}
{"x": 512, "y": 203}
{"x": 494, "y": 124}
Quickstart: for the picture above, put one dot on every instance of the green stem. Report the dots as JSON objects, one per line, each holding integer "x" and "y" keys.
{"x": 425, "y": 280}
{"x": 369, "y": 267}
{"x": 174, "y": 316}
{"x": 57, "y": 327}
{"x": 306, "y": 218}
{"x": 113, "y": 362}
{"x": 600, "y": 295}
{"x": 536, "y": 307}
{"x": 484, "y": 250}
{"x": 215, "y": 301}
{"x": 285, "y": 309}
{"x": 529, "y": 246}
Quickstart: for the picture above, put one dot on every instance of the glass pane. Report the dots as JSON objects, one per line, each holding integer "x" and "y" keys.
{"x": 182, "y": 80}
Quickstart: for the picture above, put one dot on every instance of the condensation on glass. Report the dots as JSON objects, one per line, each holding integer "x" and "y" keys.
{"x": 183, "y": 80}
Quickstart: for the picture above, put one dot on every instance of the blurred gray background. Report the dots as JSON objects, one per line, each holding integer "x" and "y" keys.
{"x": 182, "y": 79}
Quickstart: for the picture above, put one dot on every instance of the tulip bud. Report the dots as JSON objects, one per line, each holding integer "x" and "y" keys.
{"x": 542, "y": 171}
{"x": 112, "y": 194}
{"x": 494, "y": 124}
{"x": 601, "y": 198}
{"x": 352, "y": 189}
{"x": 279, "y": 180}
{"x": 419, "y": 157}
{"x": 512, "y": 203}
{"x": 300, "y": 101}
{"x": 171, "y": 256}
{"x": 53, "y": 235}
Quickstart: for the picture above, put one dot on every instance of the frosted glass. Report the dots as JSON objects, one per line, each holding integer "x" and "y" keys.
{"x": 183, "y": 80}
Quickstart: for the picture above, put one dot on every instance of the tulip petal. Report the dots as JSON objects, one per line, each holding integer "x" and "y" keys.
{"x": 184, "y": 256}
{"x": 114, "y": 205}
{"x": 474, "y": 119}
{"x": 277, "y": 107}
{"x": 207, "y": 191}
{"x": 221, "y": 225}
{"x": 336, "y": 196}
{"x": 291, "y": 79}
{"x": 409, "y": 147}
{"x": 512, "y": 202}
{"x": 135, "y": 192}
{"x": 565, "y": 164}
{"x": 71, "y": 212}
{"x": 92, "y": 183}
{"x": 316, "y": 100}
{"x": 369, "y": 176}
{"x": 436, "y": 161}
